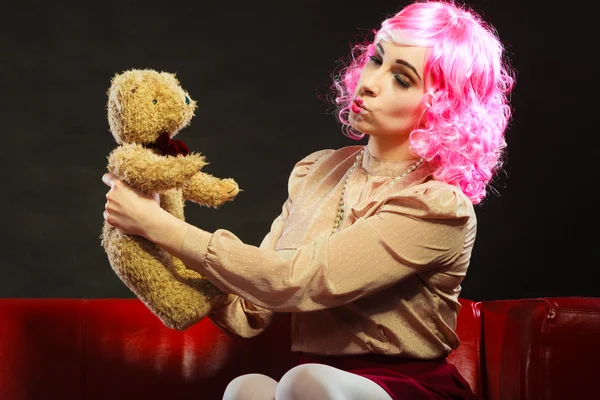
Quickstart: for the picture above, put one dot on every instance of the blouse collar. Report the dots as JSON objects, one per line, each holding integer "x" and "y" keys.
{"x": 379, "y": 167}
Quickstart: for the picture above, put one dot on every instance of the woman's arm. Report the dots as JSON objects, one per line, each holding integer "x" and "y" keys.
{"x": 413, "y": 232}
{"x": 240, "y": 316}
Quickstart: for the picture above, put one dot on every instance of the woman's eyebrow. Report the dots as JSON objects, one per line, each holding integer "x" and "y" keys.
{"x": 400, "y": 61}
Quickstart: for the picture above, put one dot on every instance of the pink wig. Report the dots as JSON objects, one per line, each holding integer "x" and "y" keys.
{"x": 468, "y": 83}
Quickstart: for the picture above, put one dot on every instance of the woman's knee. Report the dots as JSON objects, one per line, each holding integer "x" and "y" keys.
{"x": 251, "y": 387}
{"x": 318, "y": 381}
{"x": 306, "y": 381}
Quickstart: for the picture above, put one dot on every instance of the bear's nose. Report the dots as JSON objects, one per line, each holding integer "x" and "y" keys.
{"x": 187, "y": 100}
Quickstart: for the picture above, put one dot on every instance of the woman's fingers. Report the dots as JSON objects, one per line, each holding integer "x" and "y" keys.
{"x": 127, "y": 208}
{"x": 109, "y": 179}
{"x": 106, "y": 178}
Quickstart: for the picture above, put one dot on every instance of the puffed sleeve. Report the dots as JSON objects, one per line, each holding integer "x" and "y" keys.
{"x": 415, "y": 230}
{"x": 235, "y": 314}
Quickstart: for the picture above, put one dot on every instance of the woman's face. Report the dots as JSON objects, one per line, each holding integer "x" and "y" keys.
{"x": 387, "y": 99}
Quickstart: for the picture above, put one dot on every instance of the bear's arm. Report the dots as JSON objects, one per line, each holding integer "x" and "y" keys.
{"x": 149, "y": 172}
{"x": 208, "y": 190}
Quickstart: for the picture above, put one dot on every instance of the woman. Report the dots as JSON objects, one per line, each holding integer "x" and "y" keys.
{"x": 373, "y": 242}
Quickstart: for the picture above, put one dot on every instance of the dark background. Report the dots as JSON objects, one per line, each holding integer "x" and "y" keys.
{"x": 260, "y": 71}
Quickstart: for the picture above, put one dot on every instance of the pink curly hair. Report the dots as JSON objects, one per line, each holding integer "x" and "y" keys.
{"x": 461, "y": 132}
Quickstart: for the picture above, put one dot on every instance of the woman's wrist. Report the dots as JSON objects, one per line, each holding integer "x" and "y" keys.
{"x": 166, "y": 230}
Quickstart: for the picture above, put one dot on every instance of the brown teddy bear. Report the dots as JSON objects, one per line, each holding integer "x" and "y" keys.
{"x": 146, "y": 108}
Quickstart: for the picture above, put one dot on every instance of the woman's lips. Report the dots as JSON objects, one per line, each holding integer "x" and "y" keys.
{"x": 357, "y": 106}
{"x": 356, "y": 109}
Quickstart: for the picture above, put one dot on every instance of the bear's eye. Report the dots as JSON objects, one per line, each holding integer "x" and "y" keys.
{"x": 187, "y": 100}
{"x": 154, "y": 101}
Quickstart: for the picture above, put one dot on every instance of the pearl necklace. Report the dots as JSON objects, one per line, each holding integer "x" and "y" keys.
{"x": 359, "y": 157}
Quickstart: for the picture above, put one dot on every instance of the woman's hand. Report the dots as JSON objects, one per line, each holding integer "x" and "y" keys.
{"x": 128, "y": 209}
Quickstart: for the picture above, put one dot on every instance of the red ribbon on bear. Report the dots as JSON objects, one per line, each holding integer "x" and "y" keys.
{"x": 168, "y": 146}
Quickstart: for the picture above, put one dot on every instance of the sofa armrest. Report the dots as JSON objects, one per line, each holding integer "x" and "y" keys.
{"x": 467, "y": 357}
{"x": 542, "y": 349}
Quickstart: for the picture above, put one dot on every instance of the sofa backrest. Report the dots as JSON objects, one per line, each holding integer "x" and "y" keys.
{"x": 97, "y": 349}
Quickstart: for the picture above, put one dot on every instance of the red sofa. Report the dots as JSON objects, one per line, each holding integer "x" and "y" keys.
{"x": 535, "y": 349}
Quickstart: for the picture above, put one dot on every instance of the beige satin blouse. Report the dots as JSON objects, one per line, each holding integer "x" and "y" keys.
{"x": 387, "y": 282}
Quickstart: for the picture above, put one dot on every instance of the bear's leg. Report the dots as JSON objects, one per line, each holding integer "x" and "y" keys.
{"x": 148, "y": 271}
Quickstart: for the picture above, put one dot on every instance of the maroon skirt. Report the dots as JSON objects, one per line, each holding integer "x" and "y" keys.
{"x": 403, "y": 378}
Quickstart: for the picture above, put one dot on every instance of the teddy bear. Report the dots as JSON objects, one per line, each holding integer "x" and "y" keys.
{"x": 146, "y": 109}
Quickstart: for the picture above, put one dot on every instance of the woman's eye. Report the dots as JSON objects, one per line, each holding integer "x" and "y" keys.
{"x": 375, "y": 59}
{"x": 402, "y": 81}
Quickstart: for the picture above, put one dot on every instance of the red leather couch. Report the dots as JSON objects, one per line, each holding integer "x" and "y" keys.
{"x": 535, "y": 349}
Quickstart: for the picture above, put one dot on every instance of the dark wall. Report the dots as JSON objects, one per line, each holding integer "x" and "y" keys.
{"x": 259, "y": 71}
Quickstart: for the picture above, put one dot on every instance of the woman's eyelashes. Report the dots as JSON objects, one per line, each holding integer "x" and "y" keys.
{"x": 403, "y": 82}
{"x": 375, "y": 60}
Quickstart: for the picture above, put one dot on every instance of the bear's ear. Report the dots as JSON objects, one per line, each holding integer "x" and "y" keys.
{"x": 132, "y": 87}
{"x": 125, "y": 92}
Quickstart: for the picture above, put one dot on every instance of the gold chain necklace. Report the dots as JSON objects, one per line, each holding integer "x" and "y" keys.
{"x": 340, "y": 212}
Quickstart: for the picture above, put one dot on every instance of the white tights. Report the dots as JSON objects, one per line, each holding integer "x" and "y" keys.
{"x": 306, "y": 382}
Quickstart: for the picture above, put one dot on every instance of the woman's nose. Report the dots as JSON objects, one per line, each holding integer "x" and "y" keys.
{"x": 369, "y": 86}
{"x": 367, "y": 91}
